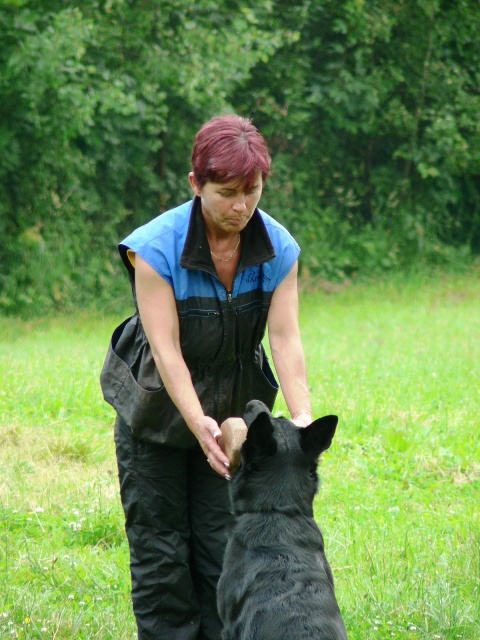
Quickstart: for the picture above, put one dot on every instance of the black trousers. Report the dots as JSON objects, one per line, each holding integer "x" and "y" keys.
{"x": 177, "y": 511}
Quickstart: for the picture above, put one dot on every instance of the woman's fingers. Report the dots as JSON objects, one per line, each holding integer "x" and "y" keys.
{"x": 218, "y": 460}
{"x": 209, "y": 433}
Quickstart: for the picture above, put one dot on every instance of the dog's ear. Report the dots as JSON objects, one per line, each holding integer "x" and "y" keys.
{"x": 318, "y": 436}
{"x": 260, "y": 440}
{"x": 253, "y": 409}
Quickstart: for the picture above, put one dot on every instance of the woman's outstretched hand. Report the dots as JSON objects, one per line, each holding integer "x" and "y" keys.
{"x": 207, "y": 432}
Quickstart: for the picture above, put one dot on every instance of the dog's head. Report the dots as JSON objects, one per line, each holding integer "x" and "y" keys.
{"x": 278, "y": 468}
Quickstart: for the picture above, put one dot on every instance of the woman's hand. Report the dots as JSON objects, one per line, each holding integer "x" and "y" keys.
{"x": 302, "y": 419}
{"x": 207, "y": 432}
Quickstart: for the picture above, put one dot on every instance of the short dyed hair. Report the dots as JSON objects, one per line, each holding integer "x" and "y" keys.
{"x": 228, "y": 149}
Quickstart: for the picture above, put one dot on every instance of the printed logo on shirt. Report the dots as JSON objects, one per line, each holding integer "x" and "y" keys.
{"x": 256, "y": 276}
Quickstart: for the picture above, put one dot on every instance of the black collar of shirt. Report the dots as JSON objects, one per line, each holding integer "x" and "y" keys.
{"x": 257, "y": 246}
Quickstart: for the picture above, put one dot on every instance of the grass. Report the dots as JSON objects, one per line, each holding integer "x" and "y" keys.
{"x": 398, "y": 361}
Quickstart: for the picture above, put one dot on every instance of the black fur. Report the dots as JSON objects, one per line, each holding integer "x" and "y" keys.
{"x": 276, "y": 582}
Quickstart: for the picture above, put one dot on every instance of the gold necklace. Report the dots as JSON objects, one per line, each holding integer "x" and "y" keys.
{"x": 233, "y": 252}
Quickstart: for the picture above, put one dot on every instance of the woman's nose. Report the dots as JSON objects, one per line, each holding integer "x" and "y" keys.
{"x": 240, "y": 204}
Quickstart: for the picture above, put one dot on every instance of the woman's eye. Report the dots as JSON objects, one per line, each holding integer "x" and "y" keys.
{"x": 231, "y": 193}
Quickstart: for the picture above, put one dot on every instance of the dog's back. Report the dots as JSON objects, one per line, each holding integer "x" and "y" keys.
{"x": 276, "y": 582}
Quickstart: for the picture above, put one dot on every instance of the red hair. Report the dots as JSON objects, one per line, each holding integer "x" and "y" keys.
{"x": 229, "y": 148}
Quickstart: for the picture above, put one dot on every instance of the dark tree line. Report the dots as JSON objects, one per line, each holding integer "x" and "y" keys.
{"x": 371, "y": 111}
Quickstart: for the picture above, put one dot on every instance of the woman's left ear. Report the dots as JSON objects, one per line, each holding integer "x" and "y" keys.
{"x": 193, "y": 183}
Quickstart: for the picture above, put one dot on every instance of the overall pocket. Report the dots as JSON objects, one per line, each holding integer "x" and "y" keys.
{"x": 132, "y": 385}
{"x": 264, "y": 381}
{"x": 255, "y": 381}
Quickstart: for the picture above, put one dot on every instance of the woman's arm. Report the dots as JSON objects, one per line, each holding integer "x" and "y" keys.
{"x": 287, "y": 350}
{"x": 158, "y": 313}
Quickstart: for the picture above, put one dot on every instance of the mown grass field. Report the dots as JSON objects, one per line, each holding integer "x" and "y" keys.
{"x": 399, "y": 362}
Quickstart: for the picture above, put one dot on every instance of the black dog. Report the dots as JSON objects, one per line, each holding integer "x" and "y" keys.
{"x": 276, "y": 582}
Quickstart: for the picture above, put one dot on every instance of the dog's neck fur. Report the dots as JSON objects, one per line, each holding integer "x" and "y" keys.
{"x": 292, "y": 495}
{"x": 291, "y": 512}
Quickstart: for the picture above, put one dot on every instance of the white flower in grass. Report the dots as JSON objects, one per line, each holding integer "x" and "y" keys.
{"x": 39, "y": 510}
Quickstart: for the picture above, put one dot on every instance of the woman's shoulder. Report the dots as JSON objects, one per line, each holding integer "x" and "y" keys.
{"x": 279, "y": 235}
{"x": 174, "y": 222}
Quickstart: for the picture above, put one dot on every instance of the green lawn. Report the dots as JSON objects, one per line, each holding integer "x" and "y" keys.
{"x": 399, "y": 362}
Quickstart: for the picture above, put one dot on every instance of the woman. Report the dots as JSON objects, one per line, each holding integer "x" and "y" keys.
{"x": 207, "y": 276}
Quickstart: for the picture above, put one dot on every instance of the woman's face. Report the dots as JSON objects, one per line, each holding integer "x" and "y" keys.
{"x": 227, "y": 206}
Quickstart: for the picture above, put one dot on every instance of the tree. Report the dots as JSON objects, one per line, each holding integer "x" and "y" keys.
{"x": 372, "y": 112}
{"x": 100, "y": 107}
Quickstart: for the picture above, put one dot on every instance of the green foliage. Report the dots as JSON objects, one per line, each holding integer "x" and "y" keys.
{"x": 99, "y": 109}
{"x": 370, "y": 110}
{"x": 373, "y": 112}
